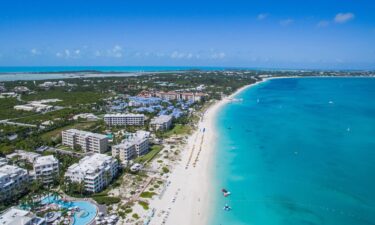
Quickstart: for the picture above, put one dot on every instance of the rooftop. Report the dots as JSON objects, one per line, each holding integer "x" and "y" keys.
{"x": 45, "y": 160}
{"x": 90, "y": 163}
{"x": 82, "y": 132}
{"x": 161, "y": 119}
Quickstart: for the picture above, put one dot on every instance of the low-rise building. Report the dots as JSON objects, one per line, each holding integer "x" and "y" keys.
{"x": 124, "y": 119}
{"x": 46, "y": 169}
{"x": 49, "y": 84}
{"x": 13, "y": 180}
{"x": 87, "y": 116}
{"x": 21, "y": 89}
{"x": 95, "y": 171}
{"x": 17, "y": 216}
{"x": 162, "y": 122}
{"x": 134, "y": 145}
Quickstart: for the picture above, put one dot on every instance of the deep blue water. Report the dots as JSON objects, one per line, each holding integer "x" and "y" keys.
{"x": 303, "y": 154}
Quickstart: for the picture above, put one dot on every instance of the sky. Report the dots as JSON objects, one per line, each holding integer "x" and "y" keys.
{"x": 295, "y": 34}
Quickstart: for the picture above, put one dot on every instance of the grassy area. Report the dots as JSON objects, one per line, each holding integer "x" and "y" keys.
{"x": 155, "y": 149}
{"x": 144, "y": 205}
{"x": 37, "y": 118}
{"x": 106, "y": 200}
{"x": 54, "y": 134}
{"x": 179, "y": 129}
{"x": 69, "y": 98}
{"x": 147, "y": 194}
{"x": 7, "y": 111}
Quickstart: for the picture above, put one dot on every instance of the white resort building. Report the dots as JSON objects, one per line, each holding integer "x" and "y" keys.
{"x": 124, "y": 119}
{"x": 89, "y": 142}
{"x": 95, "y": 171}
{"x": 46, "y": 168}
{"x": 23, "y": 155}
{"x": 16, "y": 216}
{"x": 134, "y": 145}
{"x": 162, "y": 122}
{"x": 13, "y": 180}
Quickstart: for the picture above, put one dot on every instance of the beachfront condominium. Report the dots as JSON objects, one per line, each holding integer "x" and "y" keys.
{"x": 162, "y": 123}
{"x": 87, "y": 141}
{"x": 95, "y": 171}
{"x": 129, "y": 119}
{"x": 46, "y": 169}
{"x": 13, "y": 180}
{"x": 17, "y": 216}
{"x": 134, "y": 145}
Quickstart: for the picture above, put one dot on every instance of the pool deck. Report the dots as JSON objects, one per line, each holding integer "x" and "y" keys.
{"x": 100, "y": 208}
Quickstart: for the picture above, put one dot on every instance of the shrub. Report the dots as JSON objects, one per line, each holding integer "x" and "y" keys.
{"x": 135, "y": 216}
{"x": 106, "y": 200}
{"x": 147, "y": 194}
{"x": 144, "y": 205}
{"x": 128, "y": 210}
{"x": 165, "y": 170}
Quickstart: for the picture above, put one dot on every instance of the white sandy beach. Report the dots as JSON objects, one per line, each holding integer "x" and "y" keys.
{"x": 188, "y": 197}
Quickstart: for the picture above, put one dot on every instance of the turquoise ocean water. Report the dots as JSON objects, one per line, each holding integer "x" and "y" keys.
{"x": 303, "y": 154}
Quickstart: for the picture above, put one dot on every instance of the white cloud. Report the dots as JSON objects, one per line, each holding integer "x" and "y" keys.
{"x": 177, "y": 55}
{"x": 323, "y": 23}
{"x": 286, "y": 22}
{"x": 97, "y": 53}
{"x": 69, "y": 54}
{"x": 35, "y": 51}
{"x": 116, "y": 52}
{"x": 262, "y": 16}
{"x": 343, "y": 17}
{"x": 218, "y": 55}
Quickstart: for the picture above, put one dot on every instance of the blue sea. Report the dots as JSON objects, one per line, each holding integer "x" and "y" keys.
{"x": 297, "y": 152}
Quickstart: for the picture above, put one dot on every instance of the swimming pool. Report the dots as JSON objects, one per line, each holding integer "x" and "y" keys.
{"x": 87, "y": 211}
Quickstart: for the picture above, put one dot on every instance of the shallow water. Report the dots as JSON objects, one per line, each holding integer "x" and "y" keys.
{"x": 298, "y": 151}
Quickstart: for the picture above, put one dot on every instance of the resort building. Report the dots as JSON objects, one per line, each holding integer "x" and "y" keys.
{"x": 124, "y": 119}
{"x": 16, "y": 216}
{"x": 88, "y": 142}
{"x": 13, "y": 180}
{"x": 23, "y": 155}
{"x": 21, "y": 89}
{"x": 46, "y": 168}
{"x": 3, "y": 161}
{"x": 173, "y": 95}
{"x": 134, "y": 145}
{"x": 162, "y": 123}
{"x": 95, "y": 171}
{"x": 125, "y": 151}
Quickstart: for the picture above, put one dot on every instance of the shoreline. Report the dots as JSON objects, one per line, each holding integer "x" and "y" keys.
{"x": 189, "y": 194}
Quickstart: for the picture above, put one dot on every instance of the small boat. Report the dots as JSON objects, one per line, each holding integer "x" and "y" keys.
{"x": 225, "y": 192}
{"x": 227, "y": 208}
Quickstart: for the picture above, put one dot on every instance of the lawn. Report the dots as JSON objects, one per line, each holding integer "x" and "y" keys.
{"x": 179, "y": 129}
{"x": 7, "y": 111}
{"x": 155, "y": 149}
{"x": 54, "y": 134}
{"x": 72, "y": 98}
